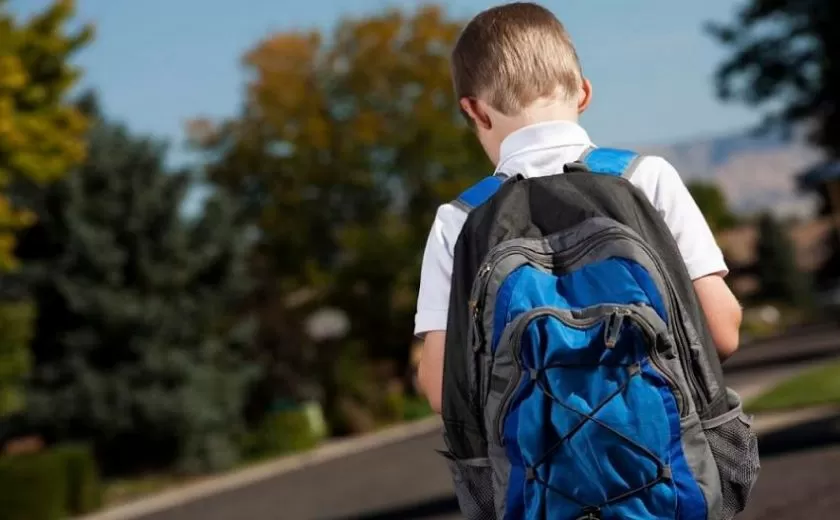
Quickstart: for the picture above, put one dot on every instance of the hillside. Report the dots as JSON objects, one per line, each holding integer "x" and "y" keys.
{"x": 756, "y": 173}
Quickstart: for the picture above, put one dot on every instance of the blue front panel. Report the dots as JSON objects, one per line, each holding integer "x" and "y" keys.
{"x": 594, "y": 464}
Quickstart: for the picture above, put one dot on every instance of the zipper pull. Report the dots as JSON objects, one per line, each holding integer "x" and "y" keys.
{"x": 613, "y": 328}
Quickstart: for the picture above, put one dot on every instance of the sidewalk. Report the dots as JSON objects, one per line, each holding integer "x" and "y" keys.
{"x": 251, "y": 475}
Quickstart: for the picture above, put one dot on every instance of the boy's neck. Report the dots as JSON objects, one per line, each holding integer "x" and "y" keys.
{"x": 542, "y": 111}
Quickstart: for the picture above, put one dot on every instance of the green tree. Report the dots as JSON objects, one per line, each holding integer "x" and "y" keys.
{"x": 137, "y": 347}
{"x": 42, "y": 134}
{"x": 785, "y": 56}
{"x": 345, "y": 146}
{"x": 785, "y": 59}
{"x": 712, "y": 202}
{"x": 779, "y": 275}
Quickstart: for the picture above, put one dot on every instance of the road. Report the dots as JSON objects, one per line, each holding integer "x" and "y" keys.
{"x": 408, "y": 481}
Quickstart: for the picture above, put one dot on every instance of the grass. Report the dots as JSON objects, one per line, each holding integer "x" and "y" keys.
{"x": 816, "y": 387}
{"x": 125, "y": 490}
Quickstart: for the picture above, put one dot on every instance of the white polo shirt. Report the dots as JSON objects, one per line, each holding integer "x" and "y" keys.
{"x": 543, "y": 149}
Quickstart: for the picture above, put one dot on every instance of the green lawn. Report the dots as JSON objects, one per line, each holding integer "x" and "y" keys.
{"x": 817, "y": 387}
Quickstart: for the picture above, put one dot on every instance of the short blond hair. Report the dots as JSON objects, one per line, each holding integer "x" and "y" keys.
{"x": 514, "y": 54}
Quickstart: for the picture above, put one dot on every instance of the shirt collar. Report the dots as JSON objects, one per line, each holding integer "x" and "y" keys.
{"x": 540, "y": 137}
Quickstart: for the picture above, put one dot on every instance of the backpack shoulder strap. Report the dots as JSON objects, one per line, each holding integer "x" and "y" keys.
{"x": 611, "y": 161}
{"x": 480, "y": 192}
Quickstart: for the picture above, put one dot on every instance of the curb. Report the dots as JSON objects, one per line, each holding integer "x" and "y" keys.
{"x": 250, "y": 475}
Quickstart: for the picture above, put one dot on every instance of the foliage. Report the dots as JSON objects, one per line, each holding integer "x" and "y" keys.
{"x": 137, "y": 347}
{"x": 49, "y": 485}
{"x": 346, "y": 144}
{"x": 280, "y": 432}
{"x": 84, "y": 489}
{"x": 16, "y": 320}
{"x": 712, "y": 203}
{"x": 785, "y": 56}
{"x": 779, "y": 275}
{"x": 41, "y": 135}
{"x": 33, "y": 487}
{"x": 416, "y": 408}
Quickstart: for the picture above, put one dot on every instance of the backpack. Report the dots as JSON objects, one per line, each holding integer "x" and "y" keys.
{"x": 580, "y": 379}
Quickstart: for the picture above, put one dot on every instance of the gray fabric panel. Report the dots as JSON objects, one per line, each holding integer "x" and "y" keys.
{"x": 501, "y": 476}
{"x": 704, "y": 367}
{"x": 505, "y": 367}
{"x": 586, "y": 153}
{"x": 631, "y": 169}
{"x": 497, "y": 278}
{"x": 463, "y": 206}
{"x": 699, "y": 457}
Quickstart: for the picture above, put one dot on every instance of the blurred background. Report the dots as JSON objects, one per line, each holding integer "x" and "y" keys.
{"x": 212, "y": 216}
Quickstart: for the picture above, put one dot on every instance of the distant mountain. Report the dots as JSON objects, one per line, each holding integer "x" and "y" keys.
{"x": 756, "y": 172}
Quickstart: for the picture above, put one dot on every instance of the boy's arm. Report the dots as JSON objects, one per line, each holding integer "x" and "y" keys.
{"x": 430, "y": 369}
{"x": 703, "y": 258}
{"x": 433, "y": 302}
{"x": 723, "y": 313}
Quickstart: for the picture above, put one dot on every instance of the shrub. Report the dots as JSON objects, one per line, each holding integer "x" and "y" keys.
{"x": 33, "y": 487}
{"x": 84, "y": 491}
{"x": 280, "y": 432}
{"x": 416, "y": 408}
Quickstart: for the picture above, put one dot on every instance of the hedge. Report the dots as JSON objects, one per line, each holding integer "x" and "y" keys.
{"x": 33, "y": 487}
{"x": 280, "y": 432}
{"x": 84, "y": 489}
{"x": 48, "y": 485}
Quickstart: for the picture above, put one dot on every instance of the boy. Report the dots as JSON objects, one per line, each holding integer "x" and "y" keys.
{"x": 520, "y": 86}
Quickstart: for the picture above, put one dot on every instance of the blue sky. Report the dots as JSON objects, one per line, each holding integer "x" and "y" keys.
{"x": 157, "y": 63}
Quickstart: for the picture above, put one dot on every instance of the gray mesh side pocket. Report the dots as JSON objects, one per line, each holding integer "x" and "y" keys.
{"x": 735, "y": 449}
{"x": 473, "y": 480}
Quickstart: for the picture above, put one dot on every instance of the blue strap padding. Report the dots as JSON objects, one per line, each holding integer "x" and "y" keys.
{"x": 609, "y": 161}
{"x": 480, "y": 192}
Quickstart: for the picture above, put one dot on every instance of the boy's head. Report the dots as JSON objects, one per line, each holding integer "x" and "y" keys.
{"x": 515, "y": 65}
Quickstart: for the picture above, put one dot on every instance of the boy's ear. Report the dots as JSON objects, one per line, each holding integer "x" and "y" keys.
{"x": 585, "y": 96}
{"x": 473, "y": 109}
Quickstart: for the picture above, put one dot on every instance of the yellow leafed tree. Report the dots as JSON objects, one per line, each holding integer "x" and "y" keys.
{"x": 42, "y": 135}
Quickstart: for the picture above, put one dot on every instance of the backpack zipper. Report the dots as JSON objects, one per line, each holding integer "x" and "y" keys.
{"x": 614, "y": 317}
{"x": 500, "y": 252}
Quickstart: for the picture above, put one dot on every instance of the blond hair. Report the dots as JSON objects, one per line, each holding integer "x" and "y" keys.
{"x": 514, "y": 54}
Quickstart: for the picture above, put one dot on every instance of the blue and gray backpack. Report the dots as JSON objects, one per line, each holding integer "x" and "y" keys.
{"x": 580, "y": 380}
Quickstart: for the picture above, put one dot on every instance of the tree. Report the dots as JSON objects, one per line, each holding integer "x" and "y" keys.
{"x": 42, "y": 134}
{"x": 137, "y": 347}
{"x": 345, "y": 146}
{"x": 786, "y": 59}
{"x": 779, "y": 275}
{"x": 41, "y": 137}
{"x": 712, "y": 203}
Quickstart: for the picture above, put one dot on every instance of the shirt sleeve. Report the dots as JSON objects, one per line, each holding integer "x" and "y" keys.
{"x": 435, "y": 276}
{"x": 671, "y": 198}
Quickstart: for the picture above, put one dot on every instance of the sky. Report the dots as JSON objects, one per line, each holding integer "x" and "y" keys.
{"x": 158, "y": 63}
